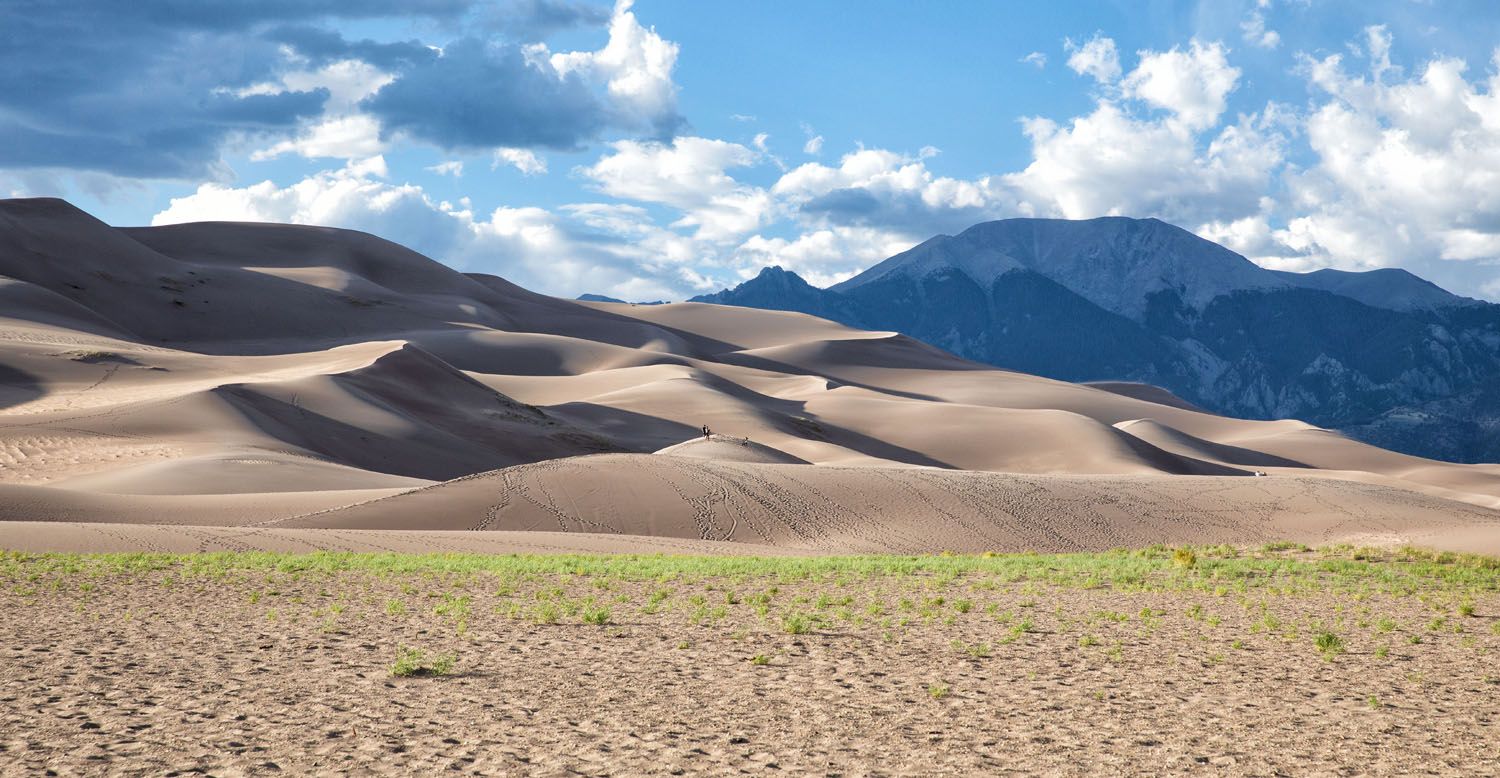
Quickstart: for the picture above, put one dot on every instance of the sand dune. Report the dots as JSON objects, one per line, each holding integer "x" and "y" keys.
{"x": 20, "y": 503}
{"x": 724, "y": 449}
{"x": 863, "y": 510}
{"x": 325, "y": 380}
{"x": 44, "y": 537}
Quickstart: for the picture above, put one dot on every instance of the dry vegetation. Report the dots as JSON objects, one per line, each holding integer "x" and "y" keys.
{"x": 1274, "y": 660}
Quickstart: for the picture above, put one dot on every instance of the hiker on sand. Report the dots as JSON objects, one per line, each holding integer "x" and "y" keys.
{"x": 706, "y": 433}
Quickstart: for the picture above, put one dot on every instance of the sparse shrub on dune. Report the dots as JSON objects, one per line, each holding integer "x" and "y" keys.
{"x": 413, "y": 662}
{"x": 546, "y": 613}
{"x": 1329, "y": 644}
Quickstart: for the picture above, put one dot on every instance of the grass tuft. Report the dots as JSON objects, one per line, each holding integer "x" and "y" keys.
{"x": 1329, "y": 644}
{"x": 412, "y": 662}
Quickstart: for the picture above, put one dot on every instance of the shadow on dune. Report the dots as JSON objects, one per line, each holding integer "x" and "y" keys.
{"x": 653, "y": 433}
{"x": 431, "y": 452}
{"x": 771, "y": 365}
{"x": 1176, "y": 464}
{"x": 644, "y": 432}
{"x": 1244, "y": 456}
{"x": 1223, "y": 452}
{"x": 18, "y": 386}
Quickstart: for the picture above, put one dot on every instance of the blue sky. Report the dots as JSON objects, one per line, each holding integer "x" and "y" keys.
{"x": 662, "y": 149}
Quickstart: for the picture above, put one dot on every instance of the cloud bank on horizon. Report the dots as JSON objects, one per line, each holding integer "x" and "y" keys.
{"x": 572, "y": 147}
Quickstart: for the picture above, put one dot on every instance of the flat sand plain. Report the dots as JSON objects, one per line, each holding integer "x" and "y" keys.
{"x": 1218, "y": 663}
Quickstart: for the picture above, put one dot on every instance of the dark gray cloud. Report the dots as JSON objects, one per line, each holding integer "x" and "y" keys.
{"x": 148, "y": 88}
{"x": 321, "y": 46}
{"x": 95, "y": 89}
{"x": 844, "y": 206}
{"x": 155, "y": 88}
{"x": 480, "y": 95}
{"x": 534, "y": 20}
{"x": 487, "y": 92}
{"x": 902, "y": 210}
{"x": 239, "y": 14}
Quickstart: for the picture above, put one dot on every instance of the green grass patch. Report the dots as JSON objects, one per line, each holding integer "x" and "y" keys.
{"x": 413, "y": 662}
{"x": 1211, "y": 570}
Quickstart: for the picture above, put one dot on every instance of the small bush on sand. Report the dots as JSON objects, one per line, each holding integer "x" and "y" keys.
{"x": 1185, "y": 558}
{"x": 596, "y": 616}
{"x": 411, "y": 662}
{"x": 977, "y": 650}
{"x": 796, "y": 624}
{"x": 1329, "y": 644}
{"x": 546, "y": 613}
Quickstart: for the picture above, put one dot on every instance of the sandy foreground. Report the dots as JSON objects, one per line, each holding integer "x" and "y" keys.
{"x": 1119, "y": 663}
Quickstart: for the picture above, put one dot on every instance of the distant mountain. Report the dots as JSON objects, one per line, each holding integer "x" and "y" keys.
{"x": 1382, "y": 355}
{"x": 599, "y": 298}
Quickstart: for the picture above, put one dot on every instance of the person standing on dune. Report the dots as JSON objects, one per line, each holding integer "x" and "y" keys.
{"x": 706, "y": 433}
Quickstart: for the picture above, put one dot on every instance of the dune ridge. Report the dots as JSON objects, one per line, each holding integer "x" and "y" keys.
{"x": 308, "y": 380}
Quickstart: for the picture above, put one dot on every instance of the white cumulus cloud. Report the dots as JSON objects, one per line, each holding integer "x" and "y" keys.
{"x": 1191, "y": 83}
{"x": 453, "y": 168}
{"x": 1096, "y": 57}
{"x": 1255, "y": 31}
{"x": 689, "y": 174}
{"x": 524, "y": 160}
{"x": 636, "y": 65}
{"x": 1406, "y": 170}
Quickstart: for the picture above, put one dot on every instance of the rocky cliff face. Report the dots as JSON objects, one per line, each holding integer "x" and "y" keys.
{"x": 1384, "y": 356}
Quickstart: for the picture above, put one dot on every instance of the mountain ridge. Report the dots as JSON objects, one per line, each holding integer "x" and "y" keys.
{"x": 1384, "y": 355}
